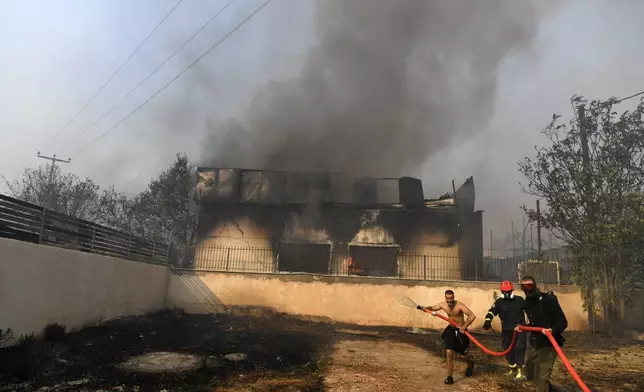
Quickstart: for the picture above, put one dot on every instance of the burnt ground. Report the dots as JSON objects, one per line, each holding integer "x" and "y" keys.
{"x": 173, "y": 351}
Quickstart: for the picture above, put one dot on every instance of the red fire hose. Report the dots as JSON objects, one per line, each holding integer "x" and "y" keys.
{"x": 565, "y": 361}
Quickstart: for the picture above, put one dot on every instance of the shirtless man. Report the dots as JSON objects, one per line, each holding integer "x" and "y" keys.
{"x": 455, "y": 338}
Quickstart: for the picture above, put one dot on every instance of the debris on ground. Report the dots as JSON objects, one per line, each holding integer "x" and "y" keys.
{"x": 236, "y": 357}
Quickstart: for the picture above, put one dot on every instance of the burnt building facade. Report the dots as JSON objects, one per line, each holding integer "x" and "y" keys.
{"x": 269, "y": 221}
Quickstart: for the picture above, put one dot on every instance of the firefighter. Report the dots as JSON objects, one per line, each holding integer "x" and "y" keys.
{"x": 543, "y": 310}
{"x": 510, "y": 310}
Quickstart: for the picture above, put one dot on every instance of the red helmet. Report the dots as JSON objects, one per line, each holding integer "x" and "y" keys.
{"x": 506, "y": 285}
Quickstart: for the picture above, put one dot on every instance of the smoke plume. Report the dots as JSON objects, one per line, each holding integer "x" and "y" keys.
{"x": 388, "y": 84}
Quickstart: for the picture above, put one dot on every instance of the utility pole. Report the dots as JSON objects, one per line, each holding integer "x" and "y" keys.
{"x": 585, "y": 162}
{"x": 523, "y": 238}
{"x": 53, "y": 160}
{"x": 454, "y": 190}
{"x": 538, "y": 231}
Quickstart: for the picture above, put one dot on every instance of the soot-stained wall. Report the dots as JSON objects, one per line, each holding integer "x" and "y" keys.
{"x": 432, "y": 242}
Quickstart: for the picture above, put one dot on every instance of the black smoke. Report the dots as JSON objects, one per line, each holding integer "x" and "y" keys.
{"x": 388, "y": 83}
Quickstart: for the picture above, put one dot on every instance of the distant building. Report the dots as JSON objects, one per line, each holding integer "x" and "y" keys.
{"x": 553, "y": 267}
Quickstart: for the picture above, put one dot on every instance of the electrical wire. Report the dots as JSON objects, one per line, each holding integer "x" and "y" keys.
{"x": 129, "y": 93}
{"x": 629, "y": 97}
{"x": 127, "y": 60}
{"x": 231, "y": 32}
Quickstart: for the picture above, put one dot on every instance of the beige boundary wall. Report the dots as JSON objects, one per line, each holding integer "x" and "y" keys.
{"x": 362, "y": 301}
{"x": 43, "y": 284}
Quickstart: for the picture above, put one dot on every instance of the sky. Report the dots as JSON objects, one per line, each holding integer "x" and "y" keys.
{"x": 55, "y": 54}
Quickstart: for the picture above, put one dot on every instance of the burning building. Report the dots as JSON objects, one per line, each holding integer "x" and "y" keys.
{"x": 270, "y": 221}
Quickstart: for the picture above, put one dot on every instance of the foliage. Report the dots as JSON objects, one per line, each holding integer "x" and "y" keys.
{"x": 163, "y": 212}
{"x": 166, "y": 209}
{"x": 65, "y": 193}
{"x": 54, "y": 332}
{"x": 595, "y": 205}
{"x": 6, "y": 337}
{"x": 27, "y": 339}
{"x": 115, "y": 210}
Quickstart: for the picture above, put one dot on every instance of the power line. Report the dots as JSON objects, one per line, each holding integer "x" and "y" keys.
{"x": 231, "y": 32}
{"x": 629, "y": 97}
{"x": 129, "y": 93}
{"x": 115, "y": 72}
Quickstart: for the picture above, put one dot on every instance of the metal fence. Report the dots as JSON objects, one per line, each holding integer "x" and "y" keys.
{"x": 29, "y": 222}
{"x": 373, "y": 261}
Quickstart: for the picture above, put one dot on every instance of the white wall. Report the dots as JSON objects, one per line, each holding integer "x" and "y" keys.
{"x": 43, "y": 284}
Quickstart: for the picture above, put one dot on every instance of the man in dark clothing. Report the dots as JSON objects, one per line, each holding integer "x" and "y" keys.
{"x": 543, "y": 310}
{"x": 510, "y": 309}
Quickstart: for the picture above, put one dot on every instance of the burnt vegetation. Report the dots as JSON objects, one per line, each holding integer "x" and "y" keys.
{"x": 283, "y": 351}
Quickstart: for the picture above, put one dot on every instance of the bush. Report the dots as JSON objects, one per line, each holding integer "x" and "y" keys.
{"x": 27, "y": 340}
{"x": 54, "y": 332}
{"x": 6, "y": 337}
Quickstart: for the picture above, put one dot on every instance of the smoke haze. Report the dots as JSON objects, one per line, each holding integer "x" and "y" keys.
{"x": 389, "y": 84}
{"x": 437, "y": 90}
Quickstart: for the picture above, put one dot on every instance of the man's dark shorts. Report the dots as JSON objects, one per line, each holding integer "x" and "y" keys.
{"x": 455, "y": 341}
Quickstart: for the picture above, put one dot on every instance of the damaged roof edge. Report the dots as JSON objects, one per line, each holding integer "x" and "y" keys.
{"x": 271, "y": 187}
{"x": 463, "y": 197}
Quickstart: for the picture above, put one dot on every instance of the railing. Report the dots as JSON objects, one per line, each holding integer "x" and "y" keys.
{"x": 383, "y": 262}
{"x": 29, "y": 222}
{"x": 246, "y": 259}
{"x": 436, "y": 267}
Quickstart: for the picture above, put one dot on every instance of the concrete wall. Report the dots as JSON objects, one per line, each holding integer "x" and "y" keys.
{"x": 363, "y": 301}
{"x": 42, "y": 284}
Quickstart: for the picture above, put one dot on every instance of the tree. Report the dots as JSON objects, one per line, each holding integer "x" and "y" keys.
{"x": 595, "y": 200}
{"x": 163, "y": 212}
{"x": 166, "y": 209}
{"x": 65, "y": 193}
{"x": 116, "y": 211}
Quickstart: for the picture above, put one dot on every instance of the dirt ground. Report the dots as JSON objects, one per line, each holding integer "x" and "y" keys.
{"x": 173, "y": 351}
{"x": 368, "y": 366}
